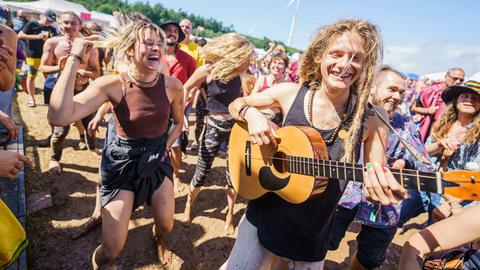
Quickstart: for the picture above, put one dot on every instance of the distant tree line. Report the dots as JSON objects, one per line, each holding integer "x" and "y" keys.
{"x": 203, "y": 27}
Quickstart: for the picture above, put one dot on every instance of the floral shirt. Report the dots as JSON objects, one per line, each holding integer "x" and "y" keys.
{"x": 376, "y": 215}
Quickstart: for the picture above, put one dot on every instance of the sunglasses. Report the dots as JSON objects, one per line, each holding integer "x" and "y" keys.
{"x": 456, "y": 79}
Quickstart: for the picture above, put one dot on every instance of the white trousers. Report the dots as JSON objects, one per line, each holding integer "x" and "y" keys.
{"x": 249, "y": 254}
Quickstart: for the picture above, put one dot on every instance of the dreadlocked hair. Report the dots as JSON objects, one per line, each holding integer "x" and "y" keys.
{"x": 229, "y": 56}
{"x": 310, "y": 73}
{"x": 129, "y": 31}
{"x": 442, "y": 126}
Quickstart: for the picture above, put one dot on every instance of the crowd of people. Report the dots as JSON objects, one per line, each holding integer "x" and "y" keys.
{"x": 367, "y": 113}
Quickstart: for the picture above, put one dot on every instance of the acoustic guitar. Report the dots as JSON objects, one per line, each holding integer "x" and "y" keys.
{"x": 298, "y": 168}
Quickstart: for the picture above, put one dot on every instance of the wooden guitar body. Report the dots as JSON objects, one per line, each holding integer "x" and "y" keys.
{"x": 268, "y": 167}
{"x": 299, "y": 167}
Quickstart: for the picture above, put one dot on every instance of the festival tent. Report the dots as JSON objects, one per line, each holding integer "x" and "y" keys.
{"x": 103, "y": 19}
{"x": 58, "y": 6}
{"x": 433, "y": 77}
{"x": 61, "y": 6}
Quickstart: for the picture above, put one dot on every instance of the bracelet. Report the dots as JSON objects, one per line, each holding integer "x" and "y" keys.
{"x": 76, "y": 56}
{"x": 241, "y": 112}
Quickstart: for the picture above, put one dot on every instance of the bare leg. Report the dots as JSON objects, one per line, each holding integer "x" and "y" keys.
{"x": 31, "y": 88}
{"x": 192, "y": 195}
{"x": 94, "y": 220}
{"x": 82, "y": 145}
{"x": 163, "y": 208}
{"x": 355, "y": 264}
{"x": 231, "y": 198}
{"x": 115, "y": 216}
{"x": 176, "y": 155}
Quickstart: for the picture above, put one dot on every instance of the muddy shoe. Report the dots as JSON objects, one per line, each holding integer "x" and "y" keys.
{"x": 54, "y": 167}
{"x": 45, "y": 142}
{"x": 163, "y": 253}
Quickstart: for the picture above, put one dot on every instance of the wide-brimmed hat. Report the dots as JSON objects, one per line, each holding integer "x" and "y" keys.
{"x": 452, "y": 92}
{"x": 181, "y": 35}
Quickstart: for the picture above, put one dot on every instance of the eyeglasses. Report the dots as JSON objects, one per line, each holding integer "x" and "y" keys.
{"x": 456, "y": 79}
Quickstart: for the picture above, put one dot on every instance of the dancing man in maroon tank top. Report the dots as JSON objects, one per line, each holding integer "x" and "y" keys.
{"x": 135, "y": 166}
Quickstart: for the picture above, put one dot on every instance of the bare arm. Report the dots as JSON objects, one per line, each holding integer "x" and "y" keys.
{"x": 195, "y": 81}
{"x": 64, "y": 107}
{"x": 8, "y": 57}
{"x": 446, "y": 234}
{"x": 421, "y": 110}
{"x": 247, "y": 109}
{"x": 380, "y": 185}
{"x": 177, "y": 107}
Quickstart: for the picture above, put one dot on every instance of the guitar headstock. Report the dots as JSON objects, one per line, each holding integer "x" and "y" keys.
{"x": 468, "y": 184}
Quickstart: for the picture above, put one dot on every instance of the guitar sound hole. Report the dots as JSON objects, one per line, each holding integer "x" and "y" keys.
{"x": 279, "y": 162}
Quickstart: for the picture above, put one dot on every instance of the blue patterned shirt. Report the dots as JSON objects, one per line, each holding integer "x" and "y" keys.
{"x": 376, "y": 215}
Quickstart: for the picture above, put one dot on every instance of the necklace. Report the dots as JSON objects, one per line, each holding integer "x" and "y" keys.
{"x": 140, "y": 83}
{"x": 332, "y": 138}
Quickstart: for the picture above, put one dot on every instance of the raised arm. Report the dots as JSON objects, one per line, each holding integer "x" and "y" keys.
{"x": 64, "y": 107}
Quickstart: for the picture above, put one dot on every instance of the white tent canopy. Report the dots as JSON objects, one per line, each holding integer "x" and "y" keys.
{"x": 62, "y": 6}
{"x": 58, "y": 6}
{"x": 103, "y": 19}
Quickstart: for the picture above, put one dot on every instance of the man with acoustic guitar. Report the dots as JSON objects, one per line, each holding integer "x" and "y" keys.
{"x": 336, "y": 76}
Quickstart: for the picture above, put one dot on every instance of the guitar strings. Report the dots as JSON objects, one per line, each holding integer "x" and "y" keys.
{"x": 356, "y": 168}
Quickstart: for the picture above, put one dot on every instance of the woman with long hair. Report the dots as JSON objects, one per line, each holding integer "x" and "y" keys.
{"x": 336, "y": 78}
{"x": 135, "y": 166}
{"x": 455, "y": 138}
{"x": 227, "y": 57}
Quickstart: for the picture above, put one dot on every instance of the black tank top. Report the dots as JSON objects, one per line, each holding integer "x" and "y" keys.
{"x": 220, "y": 95}
{"x": 299, "y": 231}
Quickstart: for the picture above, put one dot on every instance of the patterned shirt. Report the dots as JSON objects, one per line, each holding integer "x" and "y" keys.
{"x": 376, "y": 215}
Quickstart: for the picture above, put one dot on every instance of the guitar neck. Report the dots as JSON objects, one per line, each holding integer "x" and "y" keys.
{"x": 409, "y": 179}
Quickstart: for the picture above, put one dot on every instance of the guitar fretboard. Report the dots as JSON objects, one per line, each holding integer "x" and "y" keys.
{"x": 410, "y": 179}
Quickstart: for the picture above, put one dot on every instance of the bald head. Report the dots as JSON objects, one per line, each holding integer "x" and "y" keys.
{"x": 186, "y": 26}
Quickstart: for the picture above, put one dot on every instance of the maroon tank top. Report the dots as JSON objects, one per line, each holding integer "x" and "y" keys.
{"x": 143, "y": 112}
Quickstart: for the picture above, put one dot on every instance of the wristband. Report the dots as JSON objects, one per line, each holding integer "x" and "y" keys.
{"x": 76, "y": 56}
{"x": 241, "y": 112}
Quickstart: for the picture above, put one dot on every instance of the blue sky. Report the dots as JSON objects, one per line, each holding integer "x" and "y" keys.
{"x": 421, "y": 36}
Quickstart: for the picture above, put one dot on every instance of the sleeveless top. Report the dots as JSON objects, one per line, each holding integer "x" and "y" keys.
{"x": 299, "y": 232}
{"x": 220, "y": 95}
{"x": 143, "y": 112}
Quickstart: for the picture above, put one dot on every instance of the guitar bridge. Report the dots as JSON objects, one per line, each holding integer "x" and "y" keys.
{"x": 248, "y": 158}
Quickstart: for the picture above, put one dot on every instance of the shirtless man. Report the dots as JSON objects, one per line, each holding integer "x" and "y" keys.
{"x": 55, "y": 52}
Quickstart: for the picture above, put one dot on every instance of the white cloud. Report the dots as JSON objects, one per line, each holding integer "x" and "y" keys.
{"x": 433, "y": 57}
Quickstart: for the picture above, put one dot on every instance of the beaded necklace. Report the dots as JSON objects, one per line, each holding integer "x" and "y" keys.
{"x": 332, "y": 138}
{"x": 140, "y": 83}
